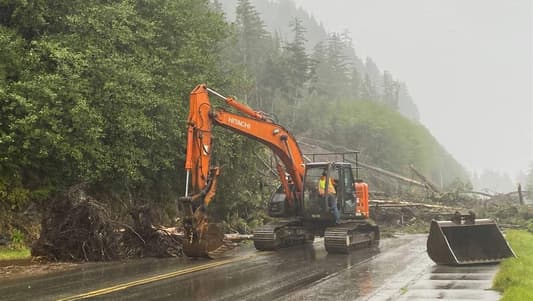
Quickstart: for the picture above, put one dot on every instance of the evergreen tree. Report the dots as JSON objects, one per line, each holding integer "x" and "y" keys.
{"x": 318, "y": 69}
{"x": 273, "y": 79}
{"x": 391, "y": 90}
{"x": 406, "y": 105}
{"x": 330, "y": 69}
{"x": 336, "y": 59}
{"x": 252, "y": 46}
{"x": 368, "y": 91}
{"x": 297, "y": 66}
{"x": 374, "y": 75}
{"x": 355, "y": 85}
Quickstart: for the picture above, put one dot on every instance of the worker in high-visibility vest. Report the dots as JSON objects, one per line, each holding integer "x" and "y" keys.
{"x": 331, "y": 194}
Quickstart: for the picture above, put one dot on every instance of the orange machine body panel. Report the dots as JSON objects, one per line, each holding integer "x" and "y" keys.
{"x": 362, "y": 207}
{"x": 199, "y": 134}
{"x": 200, "y": 121}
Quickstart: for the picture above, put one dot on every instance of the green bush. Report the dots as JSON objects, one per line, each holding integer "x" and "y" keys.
{"x": 17, "y": 239}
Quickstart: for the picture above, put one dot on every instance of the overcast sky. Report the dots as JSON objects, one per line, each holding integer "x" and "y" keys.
{"x": 468, "y": 65}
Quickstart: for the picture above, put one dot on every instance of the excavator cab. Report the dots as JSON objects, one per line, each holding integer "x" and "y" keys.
{"x": 318, "y": 204}
{"x": 353, "y": 229}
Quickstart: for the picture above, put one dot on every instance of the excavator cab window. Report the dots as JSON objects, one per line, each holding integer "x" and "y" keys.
{"x": 346, "y": 191}
{"x": 314, "y": 202}
{"x": 312, "y": 199}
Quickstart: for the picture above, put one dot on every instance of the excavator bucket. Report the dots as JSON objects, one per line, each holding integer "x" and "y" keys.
{"x": 466, "y": 240}
{"x": 202, "y": 239}
{"x": 206, "y": 244}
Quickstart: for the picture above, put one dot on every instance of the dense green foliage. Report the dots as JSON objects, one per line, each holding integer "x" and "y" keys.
{"x": 95, "y": 93}
{"x": 515, "y": 277}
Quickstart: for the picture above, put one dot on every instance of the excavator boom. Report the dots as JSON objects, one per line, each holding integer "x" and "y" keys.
{"x": 201, "y": 238}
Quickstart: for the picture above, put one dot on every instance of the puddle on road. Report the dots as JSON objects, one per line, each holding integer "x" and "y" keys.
{"x": 454, "y": 283}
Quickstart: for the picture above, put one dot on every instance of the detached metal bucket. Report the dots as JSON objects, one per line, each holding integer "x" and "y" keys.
{"x": 467, "y": 240}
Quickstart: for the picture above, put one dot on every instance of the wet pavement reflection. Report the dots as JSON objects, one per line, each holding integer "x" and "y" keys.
{"x": 399, "y": 269}
{"x": 454, "y": 283}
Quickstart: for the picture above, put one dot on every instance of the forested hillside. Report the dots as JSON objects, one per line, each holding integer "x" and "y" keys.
{"x": 324, "y": 90}
{"x": 95, "y": 93}
{"x": 368, "y": 81}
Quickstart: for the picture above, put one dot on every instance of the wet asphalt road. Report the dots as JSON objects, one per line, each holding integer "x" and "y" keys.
{"x": 398, "y": 269}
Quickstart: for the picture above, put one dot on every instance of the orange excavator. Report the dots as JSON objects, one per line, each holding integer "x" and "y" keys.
{"x": 302, "y": 208}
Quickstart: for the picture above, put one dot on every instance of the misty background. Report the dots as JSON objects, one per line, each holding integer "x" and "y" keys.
{"x": 468, "y": 65}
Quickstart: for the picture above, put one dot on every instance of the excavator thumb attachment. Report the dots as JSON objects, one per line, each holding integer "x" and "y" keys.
{"x": 202, "y": 239}
{"x": 466, "y": 240}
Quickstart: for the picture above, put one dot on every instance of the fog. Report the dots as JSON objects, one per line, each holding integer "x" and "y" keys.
{"x": 468, "y": 65}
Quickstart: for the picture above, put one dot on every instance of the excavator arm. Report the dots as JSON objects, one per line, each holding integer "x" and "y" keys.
{"x": 201, "y": 240}
{"x": 275, "y": 137}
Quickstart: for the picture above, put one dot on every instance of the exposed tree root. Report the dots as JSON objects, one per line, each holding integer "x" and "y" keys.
{"x": 84, "y": 230}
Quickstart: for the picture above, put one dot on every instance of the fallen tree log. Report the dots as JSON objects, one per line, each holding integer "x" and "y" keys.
{"x": 391, "y": 203}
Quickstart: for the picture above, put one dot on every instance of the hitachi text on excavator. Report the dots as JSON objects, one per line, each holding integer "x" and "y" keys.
{"x": 301, "y": 207}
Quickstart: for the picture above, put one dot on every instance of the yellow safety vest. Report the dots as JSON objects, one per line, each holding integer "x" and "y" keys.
{"x": 322, "y": 186}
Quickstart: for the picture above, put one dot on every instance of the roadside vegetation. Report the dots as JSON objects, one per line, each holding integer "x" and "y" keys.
{"x": 515, "y": 277}
{"x": 8, "y": 253}
{"x": 14, "y": 248}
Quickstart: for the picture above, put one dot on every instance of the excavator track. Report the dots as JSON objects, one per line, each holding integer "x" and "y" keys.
{"x": 349, "y": 236}
{"x": 265, "y": 237}
{"x": 280, "y": 234}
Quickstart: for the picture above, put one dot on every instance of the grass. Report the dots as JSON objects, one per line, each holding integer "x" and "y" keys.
{"x": 515, "y": 277}
{"x": 7, "y": 253}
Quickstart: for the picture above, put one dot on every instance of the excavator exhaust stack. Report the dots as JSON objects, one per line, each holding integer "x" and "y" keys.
{"x": 465, "y": 240}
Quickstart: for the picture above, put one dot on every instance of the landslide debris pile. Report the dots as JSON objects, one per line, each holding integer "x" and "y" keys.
{"x": 83, "y": 230}
{"x": 395, "y": 212}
